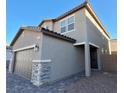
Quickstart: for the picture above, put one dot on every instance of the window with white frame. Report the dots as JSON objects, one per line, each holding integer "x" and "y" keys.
{"x": 71, "y": 23}
{"x": 46, "y": 27}
{"x": 68, "y": 24}
{"x": 63, "y": 26}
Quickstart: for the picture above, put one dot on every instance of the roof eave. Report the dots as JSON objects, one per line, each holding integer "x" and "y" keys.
{"x": 16, "y": 36}
{"x": 57, "y": 35}
{"x": 45, "y": 21}
{"x": 88, "y": 7}
{"x": 44, "y": 31}
{"x": 93, "y": 14}
{"x": 66, "y": 14}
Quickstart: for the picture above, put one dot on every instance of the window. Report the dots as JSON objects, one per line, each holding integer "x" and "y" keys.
{"x": 63, "y": 26}
{"x": 71, "y": 27}
{"x": 46, "y": 27}
{"x": 67, "y": 24}
{"x": 71, "y": 23}
{"x": 63, "y": 29}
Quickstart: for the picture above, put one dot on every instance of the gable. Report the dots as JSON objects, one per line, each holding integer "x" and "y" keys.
{"x": 32, "y": 33}
{"x": 26, "y": 38}
{"x": 89, "y": 13}
{"x": 48, "y": 25}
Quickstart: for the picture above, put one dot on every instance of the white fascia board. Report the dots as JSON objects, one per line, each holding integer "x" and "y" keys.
{"x": 83, "y": 43}
{"x": 96, "y": 24}
{"x": 42, "y": 61}
{"x": 77, "y": 44}
{"x": 27, "y": 47}
{"x": 94, "y": 45}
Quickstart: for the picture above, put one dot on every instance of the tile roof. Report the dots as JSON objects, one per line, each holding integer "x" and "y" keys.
{"x": 71, "y": 11}
{"x": 85, "y": 4}
{"x": 57, "y": 35}
{"x": 44, "y": 31}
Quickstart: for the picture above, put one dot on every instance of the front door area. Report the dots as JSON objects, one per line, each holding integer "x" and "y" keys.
{"x": 93, "y": 57}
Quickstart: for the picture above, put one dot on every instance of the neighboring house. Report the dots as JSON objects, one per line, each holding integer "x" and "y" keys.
{"x": 57, "y": 48}
{"x": 9, "y": 55}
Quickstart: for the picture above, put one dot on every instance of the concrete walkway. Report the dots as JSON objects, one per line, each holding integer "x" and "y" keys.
{"x": 99, "y": 82}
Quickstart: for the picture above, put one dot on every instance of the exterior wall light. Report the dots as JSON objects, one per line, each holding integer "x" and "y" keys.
{"x": 36, "y": 48}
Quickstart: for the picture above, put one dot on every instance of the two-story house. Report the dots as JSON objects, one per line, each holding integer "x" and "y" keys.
{"x": 60, "y": 47}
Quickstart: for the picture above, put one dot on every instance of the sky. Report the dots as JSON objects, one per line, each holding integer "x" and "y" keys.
{"x": 32, "y": 12}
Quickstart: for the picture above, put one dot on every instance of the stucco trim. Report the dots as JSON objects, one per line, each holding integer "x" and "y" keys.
{"x": 48, "y": 60}
{"x": 94, "y": 45}
{"x": 24, "y": 48}
{"x": 81, "y": 43}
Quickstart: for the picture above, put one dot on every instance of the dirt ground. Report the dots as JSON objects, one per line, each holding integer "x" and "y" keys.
{"x": 99, "y": 82}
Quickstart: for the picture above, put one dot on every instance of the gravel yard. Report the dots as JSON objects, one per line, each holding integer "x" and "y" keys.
{"x": 99, "y": 82}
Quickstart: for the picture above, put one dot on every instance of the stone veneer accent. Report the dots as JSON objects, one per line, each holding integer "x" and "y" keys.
{"x": 40, "y": 72}
{"x": 11, "y": 64}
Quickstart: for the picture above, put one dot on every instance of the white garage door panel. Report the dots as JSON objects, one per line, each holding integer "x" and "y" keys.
{"x": 23, "y": 63}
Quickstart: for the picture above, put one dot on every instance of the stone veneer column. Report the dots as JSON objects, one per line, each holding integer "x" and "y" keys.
{"x": 40, "y": 72}
{"x": 11, "y": 63}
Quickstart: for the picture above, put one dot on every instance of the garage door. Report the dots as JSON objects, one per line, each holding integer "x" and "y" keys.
{"x": 23, "y": 63}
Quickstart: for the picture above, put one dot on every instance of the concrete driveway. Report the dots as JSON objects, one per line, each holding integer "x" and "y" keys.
{"x": 99, "y": 82}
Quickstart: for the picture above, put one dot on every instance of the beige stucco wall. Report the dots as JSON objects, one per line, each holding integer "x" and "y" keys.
{"x": 28, "y": 38}
{"x": 86, "y": 25}
{"x": 80, "y": 26}
{"x": 97, "y": 37}
{"x": 49, "y": 24}
{"x": 114, "y": 45}
{"x": 65, "y": 59}
{"x": 95, "y": 33}
{"x": 110, "y": 63}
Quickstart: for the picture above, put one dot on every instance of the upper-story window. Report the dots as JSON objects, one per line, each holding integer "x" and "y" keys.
{"x": 46, "y": 27}
{"x": 63, "y": 26}
{"x": 68, "y": 24}
{"x": 71, "y": 23}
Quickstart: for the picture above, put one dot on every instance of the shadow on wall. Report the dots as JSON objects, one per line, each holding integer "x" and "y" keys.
{"x": 110, "y": 62}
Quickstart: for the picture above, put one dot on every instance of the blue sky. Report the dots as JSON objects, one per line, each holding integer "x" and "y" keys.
{"x": 32, "y": 12}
